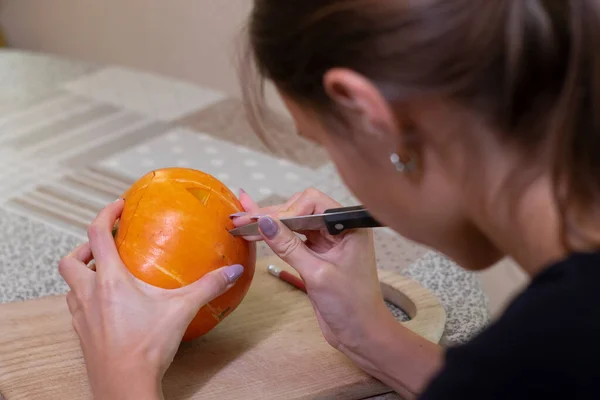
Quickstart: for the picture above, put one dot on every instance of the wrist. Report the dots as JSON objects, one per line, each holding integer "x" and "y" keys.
{"x": 128, "y": 383}
{"x": 366, "y": 349}
{"x": 394, "y": 354}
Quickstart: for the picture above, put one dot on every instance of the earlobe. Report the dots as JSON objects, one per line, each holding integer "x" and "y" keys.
{"x": 401, "y": 166}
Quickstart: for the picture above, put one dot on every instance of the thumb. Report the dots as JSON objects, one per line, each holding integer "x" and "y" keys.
{"x": 285, "y": 243}
{"x": 211, "y": 285}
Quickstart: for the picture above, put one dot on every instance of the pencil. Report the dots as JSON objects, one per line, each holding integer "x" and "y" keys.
{"x": 287, "y": 277}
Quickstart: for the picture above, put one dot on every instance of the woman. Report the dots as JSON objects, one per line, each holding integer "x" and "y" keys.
{"x": 472, "y": 127}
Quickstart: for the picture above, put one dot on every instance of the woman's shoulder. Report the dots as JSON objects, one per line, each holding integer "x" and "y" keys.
{"x": 544, "y": 343}
{"x": 566, "y": 291}
{"x": 557, "y": 310}
{"x": 561, "y": 301}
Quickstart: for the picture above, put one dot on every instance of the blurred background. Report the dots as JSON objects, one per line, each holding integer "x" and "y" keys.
{"x": 190, "y": 40}
{"x": 182, "y": 41}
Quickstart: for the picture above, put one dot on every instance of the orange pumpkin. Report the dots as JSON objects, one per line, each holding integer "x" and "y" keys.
{"x": 174, "y": 230}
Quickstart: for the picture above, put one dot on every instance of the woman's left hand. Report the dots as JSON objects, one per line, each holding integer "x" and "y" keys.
{"x": 129, "y": 331}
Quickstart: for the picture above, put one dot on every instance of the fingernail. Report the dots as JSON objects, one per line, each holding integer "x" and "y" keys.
{"x": 233, "y": 272}
{"x": 237, "y": 214}
{"x": 258, "y": 217}
{"x": 268, "y": 227}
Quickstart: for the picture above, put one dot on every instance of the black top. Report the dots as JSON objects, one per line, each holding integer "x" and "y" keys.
{"x": 545, "y": 346}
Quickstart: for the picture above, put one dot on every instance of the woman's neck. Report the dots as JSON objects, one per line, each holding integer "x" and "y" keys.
{"x": 527, "y": 228}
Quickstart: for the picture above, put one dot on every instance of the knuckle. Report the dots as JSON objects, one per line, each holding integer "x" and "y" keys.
{"x": 75, "y": 324}
{"x": 81, "y": 297}
{"x": 312, "y": 199}
{"x": 214, "y": 284}
{"x": 207, "y": 288}
{"x": 219, "y": 282}
{"x": 322, "y": 276}
{"x": 294, "y": 198}
{"x": 110, "y": 287}
{"x": 317, "y": 196}
{"x": 63, "y": 265}
{"x": 289, "y": 246}
{"x": 74, "y": 300}
{"x": 289, "y": 205}
{"x": 70, "y": 302}
{"x": 93, "y": 230}
{"x": 313, "y": 193}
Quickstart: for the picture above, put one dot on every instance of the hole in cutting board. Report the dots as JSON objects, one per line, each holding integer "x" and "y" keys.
{"x": 401, "y": 307}
{"x": 397, "y": 312}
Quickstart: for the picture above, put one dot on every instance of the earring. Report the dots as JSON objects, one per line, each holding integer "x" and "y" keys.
{"x": 400, "y": 165}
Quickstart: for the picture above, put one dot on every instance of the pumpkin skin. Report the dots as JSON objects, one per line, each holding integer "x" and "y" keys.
{"x": 174, "y": 230}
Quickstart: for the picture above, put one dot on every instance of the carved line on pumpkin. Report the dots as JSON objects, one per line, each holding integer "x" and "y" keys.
{"x": 208, "y": 188}
{"x": 200, "y": 194}
{"x": 170, "y": 274}
{"x": 222, "y": 315}
{"x": 217, "y": 313}
{"x": 219, "y": 250}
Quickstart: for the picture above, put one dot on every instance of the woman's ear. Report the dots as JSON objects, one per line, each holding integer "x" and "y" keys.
{"x": 363, "y": 105}
{"x": 357, "y": 97}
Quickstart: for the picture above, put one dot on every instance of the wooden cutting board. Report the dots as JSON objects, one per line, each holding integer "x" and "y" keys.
{"x": 269, "y": 348}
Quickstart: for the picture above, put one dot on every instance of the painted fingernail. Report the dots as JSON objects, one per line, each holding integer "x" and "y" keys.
{"x": 268, "y": 227}
{"x": 233, "y": 272}
{"x": 237, "y": 214}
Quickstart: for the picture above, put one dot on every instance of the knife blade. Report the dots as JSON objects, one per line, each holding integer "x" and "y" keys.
{"x": 335, "y": 221}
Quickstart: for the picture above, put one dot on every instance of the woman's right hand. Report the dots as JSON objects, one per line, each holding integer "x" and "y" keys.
{"x": 339, "y": 271}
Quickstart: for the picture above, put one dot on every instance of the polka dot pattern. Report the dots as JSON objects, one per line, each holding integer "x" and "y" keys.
{"x": 223, "y": 176}
{"x": 260, "y": 175}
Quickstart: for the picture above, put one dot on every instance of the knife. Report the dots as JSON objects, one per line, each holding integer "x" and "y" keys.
{"x": 335, "y": 220}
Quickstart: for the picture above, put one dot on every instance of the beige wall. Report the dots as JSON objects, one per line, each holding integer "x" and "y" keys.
{"x": 188, "y": 39}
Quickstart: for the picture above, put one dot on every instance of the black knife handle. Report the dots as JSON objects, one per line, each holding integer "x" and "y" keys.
{"x": 352, "y": 218}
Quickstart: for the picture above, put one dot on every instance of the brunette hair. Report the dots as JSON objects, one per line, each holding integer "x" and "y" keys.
{"x": 531, "y": 67}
